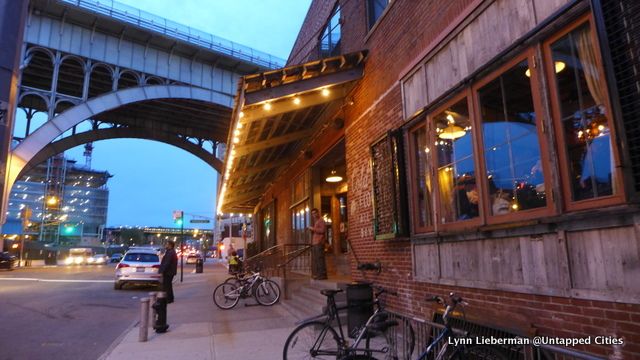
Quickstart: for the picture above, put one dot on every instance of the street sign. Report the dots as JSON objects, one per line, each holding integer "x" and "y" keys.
{"x": 199, "y": 221}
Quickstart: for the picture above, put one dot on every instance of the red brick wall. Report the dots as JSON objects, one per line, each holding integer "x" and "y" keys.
{"x": 404, "y": 32}
{"x": 305, "y": 47}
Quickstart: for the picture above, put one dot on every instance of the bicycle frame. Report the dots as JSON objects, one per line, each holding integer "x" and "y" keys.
{"x": 332, "y": 314}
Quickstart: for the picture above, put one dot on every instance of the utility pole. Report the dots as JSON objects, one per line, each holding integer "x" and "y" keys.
{"x": 178, "y": 218}
{"x": 181, "y": 245}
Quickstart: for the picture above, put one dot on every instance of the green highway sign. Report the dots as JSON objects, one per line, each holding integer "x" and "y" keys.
{"x": 199, "y": 221}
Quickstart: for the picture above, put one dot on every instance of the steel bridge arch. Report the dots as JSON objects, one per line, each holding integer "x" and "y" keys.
{"x": 82, "y": 138}
{"x": 33, "y": 144}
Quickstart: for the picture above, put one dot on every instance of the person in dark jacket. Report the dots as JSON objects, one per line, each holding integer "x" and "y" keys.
{"x": 168, "y": 269}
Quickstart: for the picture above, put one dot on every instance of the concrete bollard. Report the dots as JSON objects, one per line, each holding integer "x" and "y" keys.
{"x": 144, "y": 320}
{"x": 153, "y": 296}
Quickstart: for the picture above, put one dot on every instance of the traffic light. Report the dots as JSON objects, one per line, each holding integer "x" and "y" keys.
{"x": 68, "y": 229}
{"x": 178, "y": 217}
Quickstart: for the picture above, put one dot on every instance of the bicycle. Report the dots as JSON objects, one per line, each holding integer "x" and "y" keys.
{"x": 228, "y": 294}
{"x": 460, "y": 351}
{"x": 316, "y": 337}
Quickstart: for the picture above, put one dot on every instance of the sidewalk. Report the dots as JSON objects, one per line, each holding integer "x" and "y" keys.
{"x": 200, "y": 330}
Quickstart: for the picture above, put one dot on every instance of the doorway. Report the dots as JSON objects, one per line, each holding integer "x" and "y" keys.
{"x": 330, "y": 194}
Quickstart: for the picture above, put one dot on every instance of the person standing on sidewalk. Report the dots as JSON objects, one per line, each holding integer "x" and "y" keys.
{"x": 169, "y": 269}
{"x": 318, "y": 230}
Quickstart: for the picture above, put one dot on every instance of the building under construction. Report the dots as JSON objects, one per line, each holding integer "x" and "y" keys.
{"x": 59, "y": 202}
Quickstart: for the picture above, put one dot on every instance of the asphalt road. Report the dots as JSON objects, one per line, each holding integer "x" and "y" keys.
{"x": 64, "y": 312}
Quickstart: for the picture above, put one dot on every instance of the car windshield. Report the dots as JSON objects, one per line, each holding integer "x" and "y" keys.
{"x": 141, "y": 257}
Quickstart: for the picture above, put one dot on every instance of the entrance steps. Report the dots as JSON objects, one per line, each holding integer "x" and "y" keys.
{"x": 305, "y": 300}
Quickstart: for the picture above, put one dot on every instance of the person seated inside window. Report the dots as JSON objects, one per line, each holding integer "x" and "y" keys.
{"x": 466, "y": 198}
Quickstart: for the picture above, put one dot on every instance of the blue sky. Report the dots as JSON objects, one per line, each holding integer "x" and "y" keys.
{"x": 153, "y": 179}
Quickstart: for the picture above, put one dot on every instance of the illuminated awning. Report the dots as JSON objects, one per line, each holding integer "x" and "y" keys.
{"x": 276, "y": 115}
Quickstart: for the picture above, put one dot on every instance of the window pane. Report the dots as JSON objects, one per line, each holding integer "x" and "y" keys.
{"x": 421, "y": 177}
{"x": 376, "y": 8}
{"x": 300, "y": 220}
{"x": 584, "y": 117}
{"x": 511, "y": 145}
{"x": 456, "y": 167}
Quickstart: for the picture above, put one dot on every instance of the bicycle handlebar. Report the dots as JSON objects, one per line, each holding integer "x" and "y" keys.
{"x": 454, "y": 300}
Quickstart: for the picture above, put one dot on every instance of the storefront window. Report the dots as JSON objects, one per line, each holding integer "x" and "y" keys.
{"x": 422, "y": 180}
{"x": 300, "y": 221}
{"x": 584, "y": 117}
{"x": 511, "y": 146}
{"x": 456, "y": 170}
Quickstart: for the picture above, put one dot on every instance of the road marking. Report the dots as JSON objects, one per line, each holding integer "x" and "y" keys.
{"x": 57, "y": 280}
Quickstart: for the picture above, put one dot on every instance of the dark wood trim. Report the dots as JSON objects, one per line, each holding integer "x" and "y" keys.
{"x": 413, "y": 171}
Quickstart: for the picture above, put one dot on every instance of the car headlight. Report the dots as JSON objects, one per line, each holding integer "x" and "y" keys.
{"x": 68, "y": 261}
{"x": 78, "y": 260}
{"x": 90, "y": 260}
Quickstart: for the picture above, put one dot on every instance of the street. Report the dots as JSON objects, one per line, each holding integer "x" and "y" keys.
{"x": 63, "y": 312}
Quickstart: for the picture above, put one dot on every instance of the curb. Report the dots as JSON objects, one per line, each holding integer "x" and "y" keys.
{"x": 118, "y": 340}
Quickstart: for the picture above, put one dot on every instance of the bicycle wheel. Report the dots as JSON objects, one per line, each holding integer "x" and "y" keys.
{"x": 267, "y": 293}
{"x": 382, "y": 341}
{"x": 479, "y": 352}
{"x": 312, "y": 340}
{"x": 226, "y": 295}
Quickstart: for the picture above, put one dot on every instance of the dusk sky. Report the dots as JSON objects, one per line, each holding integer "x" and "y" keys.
{"x": 152, "y": 179}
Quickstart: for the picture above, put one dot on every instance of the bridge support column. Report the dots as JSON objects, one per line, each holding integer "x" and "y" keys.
{"x": 13, "y": 15}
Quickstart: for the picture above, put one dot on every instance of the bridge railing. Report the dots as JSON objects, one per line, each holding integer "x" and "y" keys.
{"x": 173, "y": 29}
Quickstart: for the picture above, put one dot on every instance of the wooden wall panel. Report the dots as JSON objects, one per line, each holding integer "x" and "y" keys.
{"x": 544, "y": 8}
{"x": 605, "y": 260}
{"x": 427, "y": 262}
{"x": 602, "y": 264}
{"x": 414, "y": 90}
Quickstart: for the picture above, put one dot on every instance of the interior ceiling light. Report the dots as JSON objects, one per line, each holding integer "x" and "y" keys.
{"x": 334, "y": 177}
{"x": 296, "y": 100}
{"x": 267, "y": 106}
{"x": 559, "y": 65}
{"x": 452, "y": 131}
{"x": 325, "y": 92}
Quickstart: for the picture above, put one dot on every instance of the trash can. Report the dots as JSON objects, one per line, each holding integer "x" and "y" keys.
{"x": 360, "y": 306}
{"x": 199, "y": 265}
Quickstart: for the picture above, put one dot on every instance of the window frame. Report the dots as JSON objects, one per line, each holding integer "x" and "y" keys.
{"x": 337, "y": 10}
{"x": 549, "y": 208}
{"x": 367, "y": 9}
{"x": 459, "y": 224}
{"x": 618, "y": 183}
{"x": 413, "y": 171}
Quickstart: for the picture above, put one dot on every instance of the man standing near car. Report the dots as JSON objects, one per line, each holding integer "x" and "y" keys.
{"x": 168, "y": 269}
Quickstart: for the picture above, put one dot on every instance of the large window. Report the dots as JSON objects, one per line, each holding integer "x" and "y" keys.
{"x": 330, "y": 39}
{"x": 421, "y": 165}
{"x": 375, "y": 8}
{"x": 582, "y": 115}
{"x": 300, "y": 212}
{"x": 487, "y": 153}
{"x": 455, "y": 163}
{"x": 300, "y": 221}
{"x": 511, "y": 143}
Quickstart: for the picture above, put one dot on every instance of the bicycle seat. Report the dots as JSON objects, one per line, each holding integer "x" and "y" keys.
{"x": 330, "y": 292}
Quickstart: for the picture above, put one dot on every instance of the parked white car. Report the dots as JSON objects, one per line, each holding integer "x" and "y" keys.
{"x": 138, "y": 266}
{"x": 98, "y": 259}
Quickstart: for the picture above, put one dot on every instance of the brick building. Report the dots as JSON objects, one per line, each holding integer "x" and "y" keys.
{"x": 486, "y": 148}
